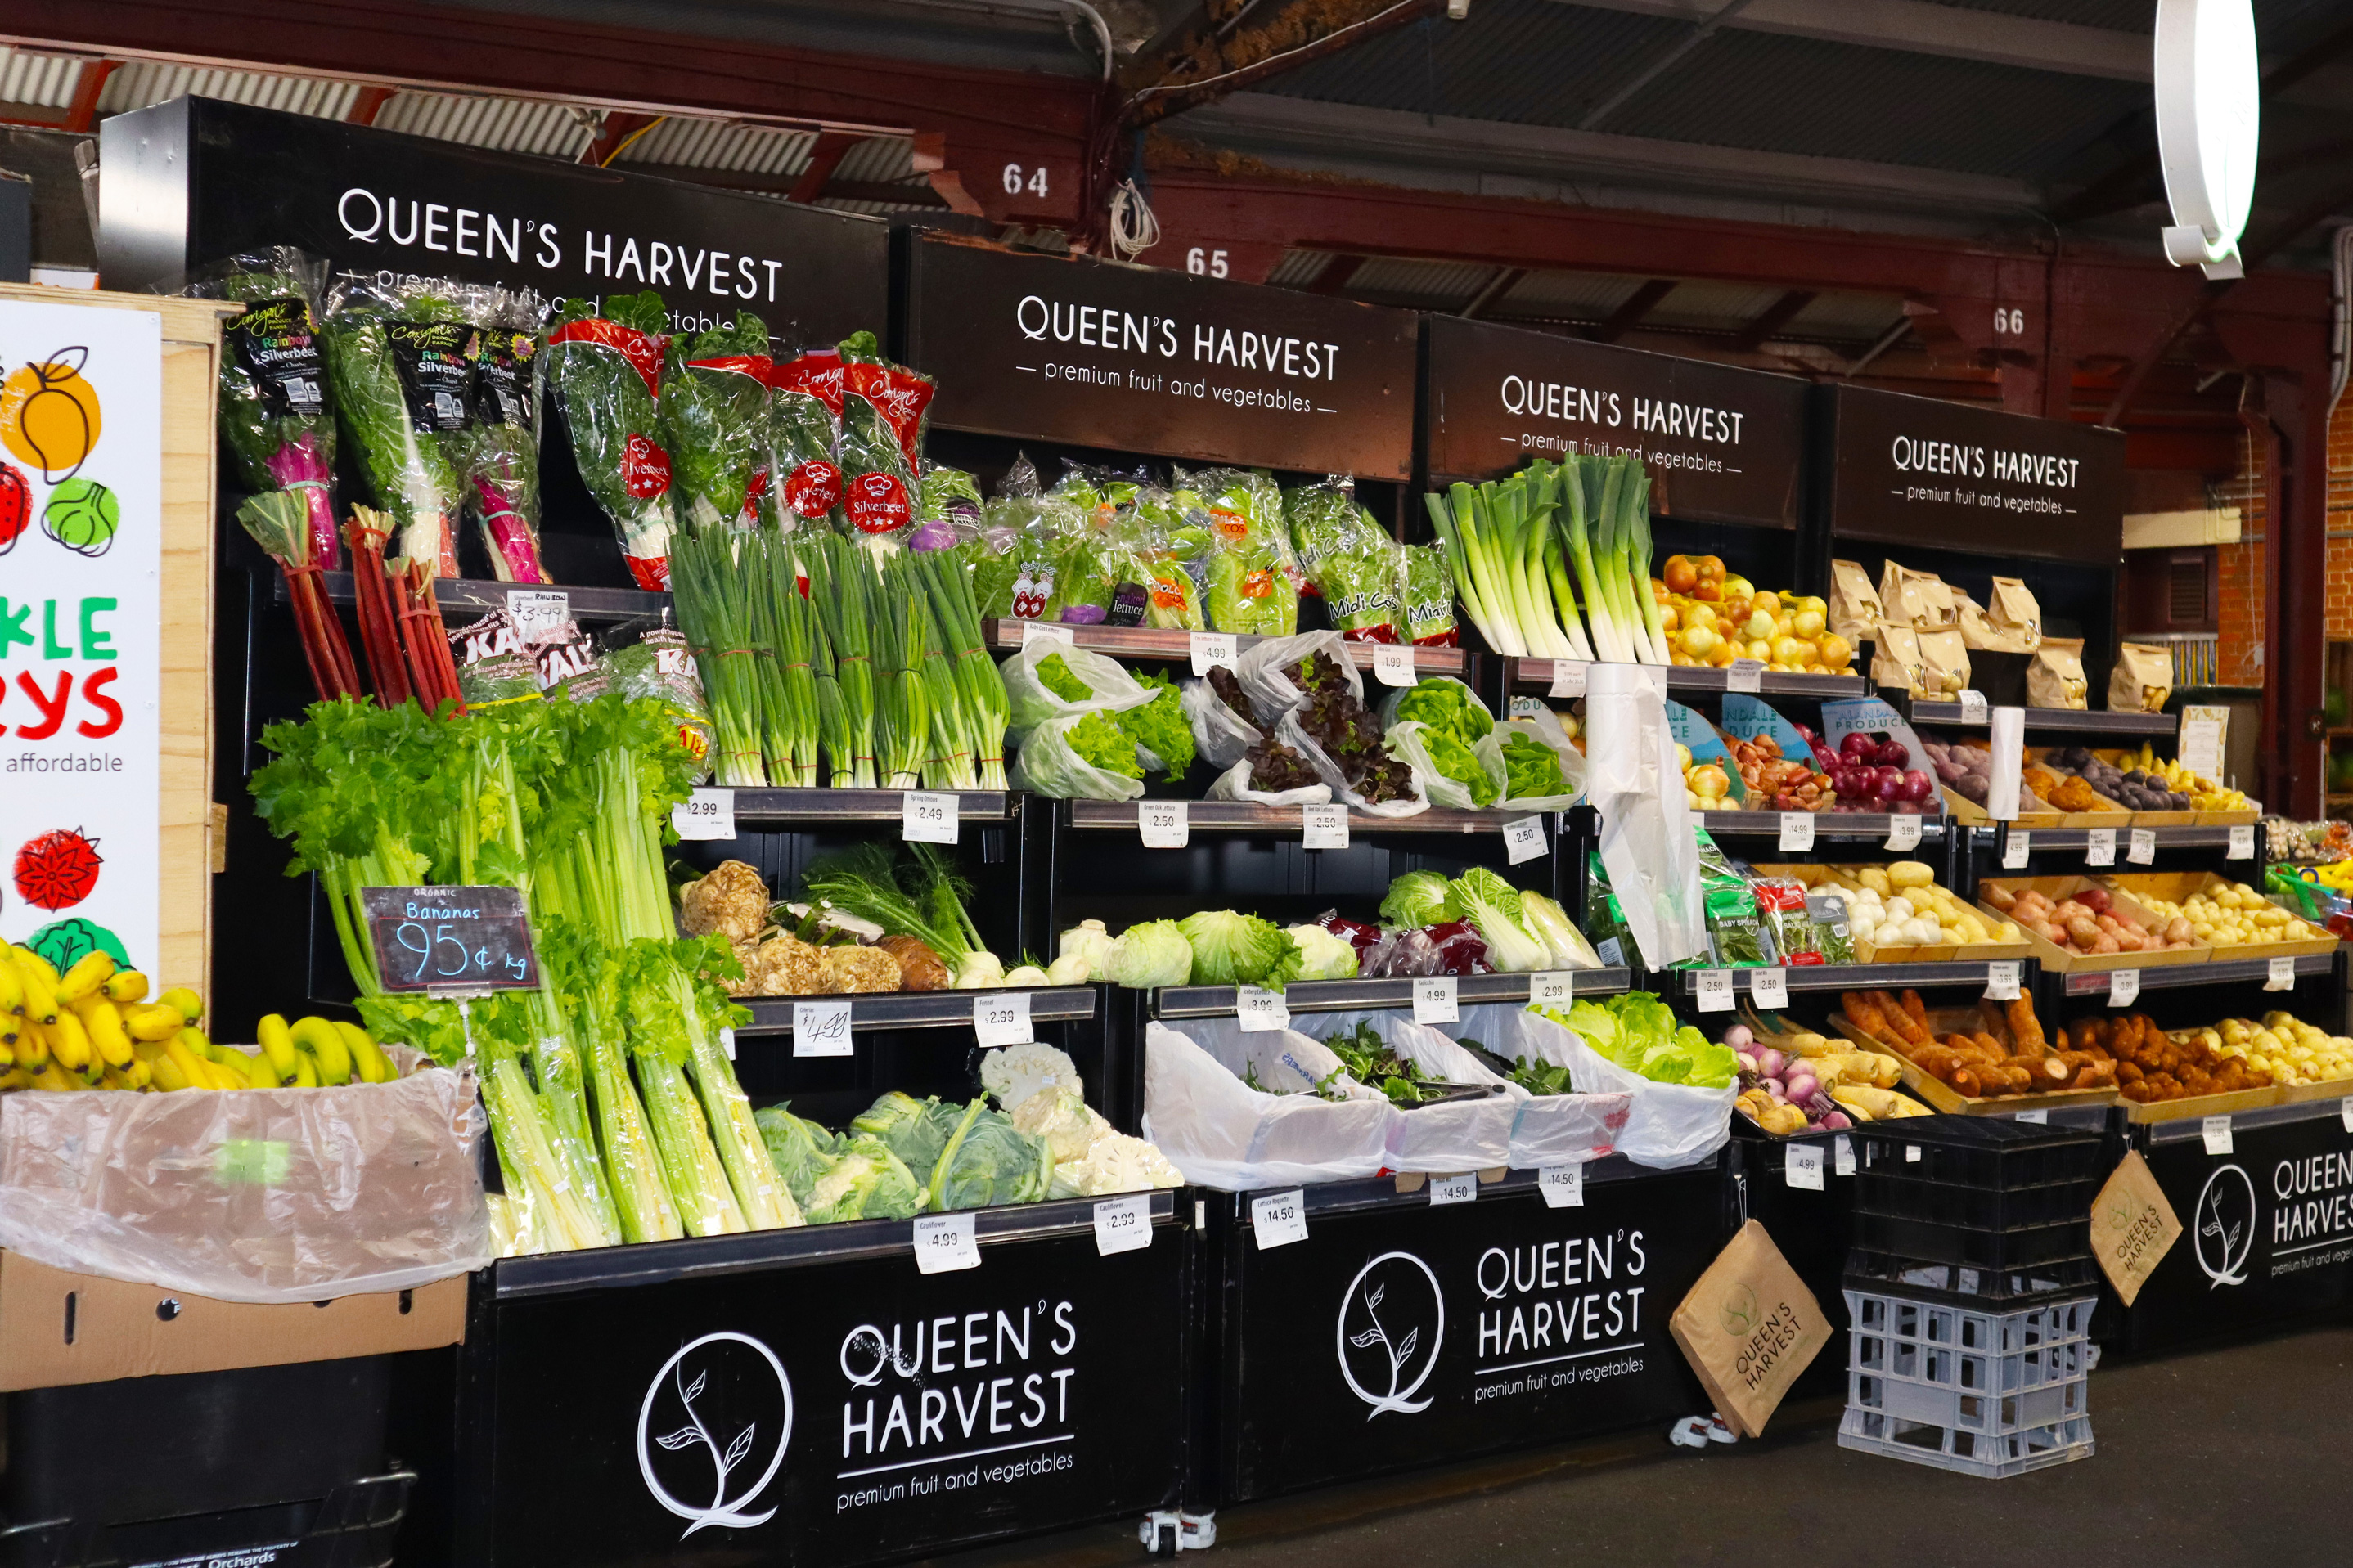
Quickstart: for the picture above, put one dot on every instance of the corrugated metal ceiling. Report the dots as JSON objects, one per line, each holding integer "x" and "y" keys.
{"x": 723, "y": 144}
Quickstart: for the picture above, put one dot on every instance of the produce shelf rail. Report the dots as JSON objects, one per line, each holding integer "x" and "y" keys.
{"x": 1324, "y": 1200}
{"x": 1249, "y": 817}
{"x": 2056, "y": 721}
{"x": 1846, "y": 977}
{"x": 2219, "y": 972}
{"x": 2060, "y": 840}
{"x": 474, "y": 596}
{"x": 917, "y": 1009}
{"x": 782, "y": 807}
{"x": 1163, "y": 643}
{"x": 1535, "y": 674}
{"x": 708, "y": 1257}
{"x": 1839, "y": 824}
{"x": 1176, "y": 1002}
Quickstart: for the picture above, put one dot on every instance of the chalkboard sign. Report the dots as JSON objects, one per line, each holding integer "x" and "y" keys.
{"x": 451, "y": 938}
{"x": 1136, "y": 359}
{"x": 1723, "y": 444}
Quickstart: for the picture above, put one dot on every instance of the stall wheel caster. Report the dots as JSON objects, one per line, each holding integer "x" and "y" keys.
{"x": 1699, "y": 1431}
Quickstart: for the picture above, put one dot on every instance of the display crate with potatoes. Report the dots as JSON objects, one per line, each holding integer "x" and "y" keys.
{"x": 2074, "y": 922}
{"x": 1975, "y": 1059}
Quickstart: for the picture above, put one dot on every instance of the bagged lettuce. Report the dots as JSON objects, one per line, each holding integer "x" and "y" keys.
{"x": 1349, "y": 560}
{"x": 1425, "y": 596}
{"x": 1254, "y": 576}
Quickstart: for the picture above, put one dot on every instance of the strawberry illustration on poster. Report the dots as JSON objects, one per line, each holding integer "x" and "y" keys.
{"x": 80, "y": 600}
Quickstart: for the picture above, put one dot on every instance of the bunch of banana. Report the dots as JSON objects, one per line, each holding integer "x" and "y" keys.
{"x": 2204, "y": 794}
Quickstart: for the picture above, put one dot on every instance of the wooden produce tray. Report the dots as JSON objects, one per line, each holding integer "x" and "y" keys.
{"x": 2244, "y": 817}
{"x": 2063, "y": 961}
{"x": 2305, "y": 1094}
{"x": 2191, "y": 1106}
{"x": 2112, "y": 813}
{"x": 2179, "y": 887}
{"x": 2032, "y": 812}
{"x": 1940, "y": 1095}
{"x": 1934, "y": 953}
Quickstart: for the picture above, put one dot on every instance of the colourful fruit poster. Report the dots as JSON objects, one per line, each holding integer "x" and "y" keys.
{"x": 80, "y": 602}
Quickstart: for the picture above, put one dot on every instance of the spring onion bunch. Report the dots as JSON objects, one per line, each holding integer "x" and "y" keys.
{"x": 717, "y": 613}
{"x": 842, "y": 587}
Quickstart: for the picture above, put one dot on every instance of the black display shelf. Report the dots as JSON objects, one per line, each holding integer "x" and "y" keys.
{"x": 919, "y": 1009}
{"x": 1365, "y": 995}
{"x": 2064, "y": 840}
{"x": 1249, "y": 817}
{"x": 2055, "y": 720}
{"x": 816, "y": 807}
{"x": 474, "y": 596}
{"x": 2219, "y": 972}
{"x": 1536, "y": 675}
{"x": 1175, "y": 646}
{"x": 1839, "y": 826}
{"x": 1684, "y": 983}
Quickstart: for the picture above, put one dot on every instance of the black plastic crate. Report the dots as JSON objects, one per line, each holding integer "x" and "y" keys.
{"x": 356, "y": 1525}
{"x": 1889, "y": 1191}
{"x": 1988, "y": 1152}
{"x": 1999, "y": 1290}
{"x": 2015, "y": 1248}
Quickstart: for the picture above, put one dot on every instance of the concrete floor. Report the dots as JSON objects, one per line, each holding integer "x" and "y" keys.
{"x": 2216, "y": 1459}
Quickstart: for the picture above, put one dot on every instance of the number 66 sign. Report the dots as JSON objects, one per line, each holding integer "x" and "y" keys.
{"x": 454, "y": 939}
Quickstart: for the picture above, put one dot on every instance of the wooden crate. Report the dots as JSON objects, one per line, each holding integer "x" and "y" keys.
{"x": 2179, "y": 887}
{"x": 1925, "y": 1085}
{"x": 2196, "y": 1105}
{"x": 1938, "y": 953}
{"x": 2062, "y": 959}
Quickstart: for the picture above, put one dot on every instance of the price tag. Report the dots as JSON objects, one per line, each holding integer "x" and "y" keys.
{"x": 727, "y": 1040}
{"x": 1462, "y": 1189}
{"x": 946, "y": 1242}
{"x": 1797, "y": 830}
{"x": 1279, "y": 1219}
{"x": 1528, "y": 707}
{"x": 706, "y": 814}
{"x": 2001, "y": 979}
{"x": 451, "y": 938}
{"x": 1525, "y": 840}
{"x": 1973, "y": 707}
{"x": 1802, "y": 1165}
{"x": 1911, "y": 1154}
{"x": 1163, "y": 823}
{"x": 2099, "y": 847}
{"x": 1260, "y": 1010}
{"x": 1048, "y": 631}
{"x": 1393, "y": 664}
{"x": 2143, "y": 849}
{"x": 1213, "y": 648}
{"x": 1745, "y": 675}
{"x": 928, "y": 818}
{"x": 2282, "y": 975}
{"x": 1568, "y": 678}
{"x": 1433, "y": 999}
{"x": 1325, "y": 826}
{"x": 1842, "y": 1155}
{"x": 2242, "y": 842}
{"x": 537, "y": 612}
{"x": 1563, "y": 1186}
{"x": 1002, "y": 1018}
{"x": 2015, "y": 849}
{"x": 1554, "y": 987}
{"x": 1124, "y": 1223}
{"x": 1770, "y": 989}
{"x": 2124, "y": 987}
{"x": 2033, "y": 1117}
{"x": 821, "y": 1029}
{"x": 2344, "y": 1111}
{"x": 2216, "y": 1131}
{"x": 1903, "y": 832}
{"x": 1715, "y": 991}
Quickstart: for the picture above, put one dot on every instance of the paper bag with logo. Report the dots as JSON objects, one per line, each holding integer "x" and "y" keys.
{"x": 2055, "y": 678}
{"x": 2132, "y": 1227}
{"x": 1944, "y": 663}
{"x": 2142, "y": 679}
{"x": 1748, "y": 1328}
{"x": 1938, "y": 606}
{"x": 2014, "y": 608}
{"x": 1896, "y": 658}
{"x": 1854, "y": 603}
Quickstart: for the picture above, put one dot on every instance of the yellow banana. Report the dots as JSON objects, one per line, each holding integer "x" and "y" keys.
{"x": 228, "y": 1062}
{"x": 104, "y": 1025}
{"x": 89, "y": 972}
{"x": 277, "y": 1044}
{"x": 31, "y": 1048}
{"x": 40, "y": 990}
{"x": 12, "y": 987}
{"x": 317, "y": 1038}
{"x": 306, "y": 1071}
{"x": 192, "y": 1066}
{"x": 15, "y": 1078}
{"x": 155, "y": 1022}
{"x": 125, "y": 986}
{"x": 69, "y": 1042}
{"x": 111, "y": 1078}
{"x": 260, "y": 1071}
{"x": 165, "y": 1070}
{"x": 197, "y": 1040}
{"x": 140, "y": 1074}
{"x": 191, "y": 1006}
{"x": 55, "y": 1079}
{"x": 32, "y": 962}
{"x": 10, "y": 1023}
{"x": 374, "y": 1066}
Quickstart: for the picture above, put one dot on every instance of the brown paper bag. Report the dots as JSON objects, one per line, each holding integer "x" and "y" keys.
{"x": 2055, "y": 678}
{"x": 1944, "y": 664}
{"x": 1895, "y": 657}
{"x": 2132, "y": 1227}
{"x": 1937, "y": 609}
{"x": 1748, "y": 1328}
{"x": 1854, "y": 603}
{"x": 1899, "y": 593}
{"x": 2018, "y": 612}
{"x": 2142, "y": 679}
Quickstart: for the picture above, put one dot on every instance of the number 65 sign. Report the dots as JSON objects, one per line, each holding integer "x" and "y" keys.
{"x": 452, "y": 939}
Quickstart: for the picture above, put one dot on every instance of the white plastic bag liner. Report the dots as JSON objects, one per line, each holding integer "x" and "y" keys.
{"x": 1546, "y": 729}
{"x": 264, "y": 1195}
{"x": 1396, "y": 695}
{"x": 1647, "y": 844}
{"x": 1287, "y": 731}
{"x": 1222, "y": 1133}
{"x": 1046, "y": 765}
{"x": 1271, "y": 691}
{"x": 1219, "y": 733}
{"x": 1234, "y": 784}
{"x": 1032, "y": 704}
{"x": 1443, "y": 1139}
{"x": 1668, "y": 1125}
{"x": 1405, "y": 743}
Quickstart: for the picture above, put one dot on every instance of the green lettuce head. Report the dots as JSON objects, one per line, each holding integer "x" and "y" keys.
{"x": 1416, "y": 899}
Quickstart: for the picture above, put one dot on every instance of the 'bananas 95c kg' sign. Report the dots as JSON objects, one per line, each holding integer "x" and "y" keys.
{"x": 828, "y": 1410}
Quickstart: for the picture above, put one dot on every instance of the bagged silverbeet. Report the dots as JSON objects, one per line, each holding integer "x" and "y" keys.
{"x": 602, "y": 369}
{"x": 804, "y": 482}
{"x": 401, "y": 358}
{"x": 882, "y": 438}
{"x": 502, "y": 435}
{"x": 276, "y": 418}
{"x": 714, "y": 406}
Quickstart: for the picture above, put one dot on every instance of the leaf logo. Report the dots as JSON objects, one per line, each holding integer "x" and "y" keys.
{"x": 1391, "y": 1377}
{"x": 730, "y": 1501}
{"x": 2224, "y": 1232}
{"x": 1739, "y": 1312}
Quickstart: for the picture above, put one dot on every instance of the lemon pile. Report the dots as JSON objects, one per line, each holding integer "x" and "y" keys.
{"x": 2285, "y": 1046}
{"x": 2234, "y": 916}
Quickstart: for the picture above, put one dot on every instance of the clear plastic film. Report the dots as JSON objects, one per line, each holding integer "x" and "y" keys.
{"x": 602, "y": 372}
{"x": 1347, "y": 558}
{"x": 402, "y": 358}
{"x": 501, "y": 442}
{"x": 1047, "y": 764}
{"x": 1252, "y": 586}
{"x": 713, "y": 407}
{"x": 804, "y": 433}
{"x": 276, "y": 407}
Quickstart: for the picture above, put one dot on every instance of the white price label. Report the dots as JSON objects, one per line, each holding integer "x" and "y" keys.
{"x": 1568, "y": 678}
{"x": 1802, "y": 1165}
{"x": 1715, "y": 991}
{"x": 2033, "y": 1117}
{"x": 2124, "y": 987}
{"x": 1002, "y": 1018}
{"x": 1563, "y": 1186}
{"x": 1260, "y": 1010}
{"x": 2015, "y": 849}
{"x": 1842, "y": 1155}
{"x": 1279, "y": 1219}
{"x": 1048, "y": 631}
{"x": 1973, "y": 707}
{"x": 727, "y": 1040}
{"x": 821, "y": 1029}
{"x": 1462, "y": 1189}
{"x": 1911, "y": 1154}
{"x": 706, "y": 814}
{"x": 2099, "y": 847}
{"x": 2001, "y": 979}
{"x": 1393, "y": 664}
{"x": 1525, "y": 840}
{"x": 1325, "y": 826}
{"x": 537, "y": 612}
{"x": 1745, "y": 675}
{"x": 1903, "y": 832}
{"x": 2216, "y": 1131}
{"x": 1797, "y": 830}
{"x": 1433, "y": 999}
{"x": 946, "y": 1242}
{"x": 1770, "y": 989}
{"x": 2242, "y": 842}
{"x": 1163, "y": 823}
{"x": 2344, "y": 1111}
{"x": 2143, "y": 848}
{"x": 926, "y": 817}
{"x": 1124, "y": 1223}
{"x": 2281, "y": 975}
{"x": 1213, "y": 648}
{"x": 1554, "y": 987}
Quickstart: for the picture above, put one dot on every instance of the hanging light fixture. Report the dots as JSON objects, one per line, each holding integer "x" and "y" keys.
{"x": 2208, "y": 121}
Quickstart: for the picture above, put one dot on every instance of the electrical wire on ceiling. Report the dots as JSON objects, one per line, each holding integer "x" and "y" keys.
{"x": 1133, "y": 228}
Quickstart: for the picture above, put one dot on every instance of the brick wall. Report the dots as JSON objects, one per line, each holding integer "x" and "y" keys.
{"x": 2242, "y": 565}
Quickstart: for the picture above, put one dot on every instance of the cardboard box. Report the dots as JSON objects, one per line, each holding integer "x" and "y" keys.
{"x": 60, "y": 1328}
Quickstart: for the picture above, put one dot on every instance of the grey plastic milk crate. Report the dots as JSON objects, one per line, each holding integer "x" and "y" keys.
{"x": 1986, "y": 1393}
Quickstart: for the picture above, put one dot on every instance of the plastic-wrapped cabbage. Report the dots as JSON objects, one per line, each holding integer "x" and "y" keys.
{"x": 1322, "y": 954}
{"x": 914, "y": 1129}
{"x": 1150, "y": 955}
{"x": 987, "y": 1160}
{"x": 801, "y": 1149}
{"x": 864, "y": 1180}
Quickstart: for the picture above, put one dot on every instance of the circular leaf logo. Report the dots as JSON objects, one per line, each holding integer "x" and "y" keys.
{"x": 1740, "y": 1313}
